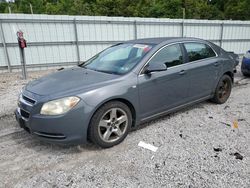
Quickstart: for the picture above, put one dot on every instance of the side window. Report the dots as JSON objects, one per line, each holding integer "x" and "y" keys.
{"x": 197, "y": 51}
{"x": 170, "y": 55}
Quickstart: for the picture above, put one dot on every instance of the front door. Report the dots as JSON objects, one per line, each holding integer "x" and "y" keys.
{"x": 163, "y": 90}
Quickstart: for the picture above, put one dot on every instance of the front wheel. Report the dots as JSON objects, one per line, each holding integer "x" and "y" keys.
{"x": 223, "y": 90}
{"x": 110, "y": 124}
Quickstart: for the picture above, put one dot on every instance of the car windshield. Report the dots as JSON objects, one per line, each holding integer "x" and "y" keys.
{"x": 118, "y": 59}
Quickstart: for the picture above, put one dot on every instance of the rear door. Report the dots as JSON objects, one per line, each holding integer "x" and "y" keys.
{"x": 203, "y": 69}
{"x": 160, "y": 91}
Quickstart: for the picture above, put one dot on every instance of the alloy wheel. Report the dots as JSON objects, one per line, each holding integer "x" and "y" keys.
{"x": 224, "y": 90}
{"x": 113, "y": 125}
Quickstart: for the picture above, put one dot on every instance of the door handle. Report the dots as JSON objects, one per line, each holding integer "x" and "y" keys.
{"x": 182, "y": 72}
{"x": 216, "y": 64}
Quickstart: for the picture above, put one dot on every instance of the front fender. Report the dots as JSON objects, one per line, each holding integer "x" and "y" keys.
{"x": 124, "y": 90}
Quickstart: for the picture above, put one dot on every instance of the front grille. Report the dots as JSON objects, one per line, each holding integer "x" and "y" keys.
{"x": 24, "y": 114}
{"x": 29, "y": 100}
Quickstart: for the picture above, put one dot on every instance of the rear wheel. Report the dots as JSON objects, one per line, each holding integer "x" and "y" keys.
{"x": 110, "y": 124}
{"x": 223, "y": 90}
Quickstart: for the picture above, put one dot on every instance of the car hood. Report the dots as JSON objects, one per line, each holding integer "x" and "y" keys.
{"x": 69, "y": 80}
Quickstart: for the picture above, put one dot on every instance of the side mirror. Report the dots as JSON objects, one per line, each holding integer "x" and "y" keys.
{"x": 155, "y": 67}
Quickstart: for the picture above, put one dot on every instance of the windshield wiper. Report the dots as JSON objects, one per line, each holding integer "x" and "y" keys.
{"x": 104, "y": 71}
{"x": 108, "y": 72}
{"x": 81, "y": 64}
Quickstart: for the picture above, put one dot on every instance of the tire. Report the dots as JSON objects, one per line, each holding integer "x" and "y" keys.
{"x": 223, "y": 90}
{"x": 110, "y": 124}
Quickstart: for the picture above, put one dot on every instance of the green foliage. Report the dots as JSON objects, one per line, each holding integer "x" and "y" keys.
{"x": 166, "y": 9}
{"x": 239, "y": 10}
{"x": 24, "y": 6}
{"x": 194, "y": 9}
{"x": 3, "y": 6}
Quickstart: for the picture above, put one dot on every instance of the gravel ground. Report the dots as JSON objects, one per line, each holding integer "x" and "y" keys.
{"x": 198, "y": 147}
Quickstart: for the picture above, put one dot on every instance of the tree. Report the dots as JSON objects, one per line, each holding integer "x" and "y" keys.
{"x": 81, "y": 7}
{"x": 237, "y": 10}
{"x": 3, "y": 6}
{"x": 201, "y": 9}
{"x": 166, "y": 9}
{"x": 23, "y": 6}
{"x": 195, "y": 9}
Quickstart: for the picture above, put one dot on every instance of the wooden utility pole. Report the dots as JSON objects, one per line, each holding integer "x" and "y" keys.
{"x": 184, "y": 8}
{"x": 31, "y": 9}
{"x": 9, "y": 9}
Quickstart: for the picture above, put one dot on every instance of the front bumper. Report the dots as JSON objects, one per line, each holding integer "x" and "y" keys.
{"x": 70, "y": 128}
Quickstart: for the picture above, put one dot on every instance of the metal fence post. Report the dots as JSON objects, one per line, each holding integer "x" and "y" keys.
{"x": 221, "y": 34}
{"x": 182, "y": 28}
{"x": 77, "y": 42}
{"x": 135, "y": 30}
{"x": 22, "y": 44}
{"x": 5, "y": 47}
{"x": 23, "y": 63}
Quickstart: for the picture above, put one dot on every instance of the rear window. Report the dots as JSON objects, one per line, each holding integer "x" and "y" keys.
{"x": 197, "y": 51}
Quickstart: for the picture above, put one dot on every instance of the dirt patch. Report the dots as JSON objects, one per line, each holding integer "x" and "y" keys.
{"x": 10, "y": 87}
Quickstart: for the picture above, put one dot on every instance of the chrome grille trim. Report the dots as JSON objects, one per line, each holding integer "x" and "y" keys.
{"x": 27, "y": 100}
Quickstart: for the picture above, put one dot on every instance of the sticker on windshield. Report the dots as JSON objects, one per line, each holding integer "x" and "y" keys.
{"x": 142, "y": 46}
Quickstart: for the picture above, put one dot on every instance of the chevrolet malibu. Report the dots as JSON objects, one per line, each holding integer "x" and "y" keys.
{"x": 102, "y": 99}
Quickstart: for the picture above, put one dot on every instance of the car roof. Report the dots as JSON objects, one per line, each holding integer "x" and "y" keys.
{"x": 159, "y": 40}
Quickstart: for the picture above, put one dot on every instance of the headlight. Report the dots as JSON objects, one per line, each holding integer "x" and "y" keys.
{"x": 59, "y": 106}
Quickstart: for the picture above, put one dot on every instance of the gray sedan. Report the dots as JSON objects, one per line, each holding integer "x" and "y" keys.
{"x": 102, "y": 99}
